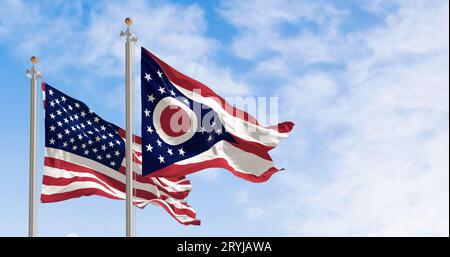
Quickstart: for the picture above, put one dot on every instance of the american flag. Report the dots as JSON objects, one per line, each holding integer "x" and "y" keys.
{"x": 187, "y": 127}
{"x": 85, "y": 155}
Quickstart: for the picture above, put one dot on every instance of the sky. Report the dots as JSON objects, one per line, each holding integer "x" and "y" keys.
{"x": 365, "y": 82}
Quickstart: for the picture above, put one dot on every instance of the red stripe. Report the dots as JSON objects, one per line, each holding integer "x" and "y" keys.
{"x": 177, "y": 170}
{"x": 252, "y": 147}
{"x": 193, "y": 85}
{"x": 43, "y": 90}
{"x": 284, "y": 127}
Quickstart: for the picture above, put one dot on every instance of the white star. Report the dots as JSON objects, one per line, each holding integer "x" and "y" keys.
{"x": 70, "y": 107}
{"x": 72, "y": 140}
{"x": 74, "y": 147}
{"x": 118, "y": 142}
{"x": 172, "y": 92}
{"x": 209, "y": 138}
{"x": 89, "y": 122}
{"x": 147, "y": 112}
{"x": 52, "y": 128}
{"x": 97, "y": 138}
{"x": 56, "y": 101}
{"x": 159, "y": 142}
{"x": 82, "y": 113}
{"x": 219, "y": 131}
{"x": 202, "y": 129}
{"x": 149, "y": 129}
{"x": 186, "y": 101}
{"x": 60, "y": 123}
{"x": 58, "y": 112}
{"x": 67, "y": 131}
{"x": 96, "y": 119}
{"x": 52, "y": 104}
{"x": 169, "y": 151}
{"x": 147, "y": 77}
{"x": 113, "y": 163}
{"x": 162, "y": 90}
{"x": 99, "y": 157}
{"x": 50, "y": 92}
{"x": 73, "y": 128}
{"x": 90, "y": 142}
{"x": 83, "y": 146}
{"x": 181, "y": 151}
{"x": 151, "y": 98}
{"x": 76, "y": 117}
{"x": 65, "y": 144}
{"x": 161, "y": 159}
{"x": 86, "y": 152}
{"x": 80, "y": 137}
{"x": 66, "y": 120}
{"x": 60, "y": 136}
{"x": 95, "y": 150}
{"x": 117, "y": 153}
{"x": 159, "y": 73}
{"x": 104, "y": 147}
{"x": 149, "y": 148}
{"x": 108, "y": 156}
{"x": 52, "y": 141}
{"x": 63, "y": 99}
{"x": 102, "y": 127}
{"x": 52, "y": 115}
{"x": 103, "y": 136}
{"x": 77, "y": 105}
{"x": 111, "y": 144}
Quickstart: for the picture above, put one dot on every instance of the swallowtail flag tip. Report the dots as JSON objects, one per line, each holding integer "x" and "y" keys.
{"x": 85, "y": 155}
{"x": 231, "y": 138}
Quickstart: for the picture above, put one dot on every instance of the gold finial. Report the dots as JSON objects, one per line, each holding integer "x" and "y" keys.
{"x": 34, "y": 59}
{"x": 128, "y": 21}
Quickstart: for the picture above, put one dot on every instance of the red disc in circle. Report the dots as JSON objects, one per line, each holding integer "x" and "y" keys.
{"x": 175, "y": 121}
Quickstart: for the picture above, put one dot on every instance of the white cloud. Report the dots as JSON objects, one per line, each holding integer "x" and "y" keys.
{"x": 371, "y": 136}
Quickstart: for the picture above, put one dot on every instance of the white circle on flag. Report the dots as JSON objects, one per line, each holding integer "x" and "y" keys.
{"x": 166, "y": 118}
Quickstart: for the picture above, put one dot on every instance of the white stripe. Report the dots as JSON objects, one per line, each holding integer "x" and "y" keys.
{"x": 240, "y": 160}
{"x": 235, "y": 125}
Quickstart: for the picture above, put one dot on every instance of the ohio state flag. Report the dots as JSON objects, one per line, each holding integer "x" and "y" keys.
{"x": 186, "y": 127}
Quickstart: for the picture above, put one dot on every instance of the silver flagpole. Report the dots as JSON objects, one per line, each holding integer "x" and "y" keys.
{"x": 34, "y": 75}
{"x": 130, "y": 39}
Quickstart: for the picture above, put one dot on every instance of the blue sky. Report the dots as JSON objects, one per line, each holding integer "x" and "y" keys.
{"x": 366, "y": 83}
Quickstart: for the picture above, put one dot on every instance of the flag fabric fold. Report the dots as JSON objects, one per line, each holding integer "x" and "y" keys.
{"x": 85, "y": 155}
{"x": 179, "y": 138}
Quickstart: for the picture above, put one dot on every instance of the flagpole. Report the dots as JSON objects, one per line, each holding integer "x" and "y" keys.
{"x": 34, "y": 75}
{"x": 130, "y": 39}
